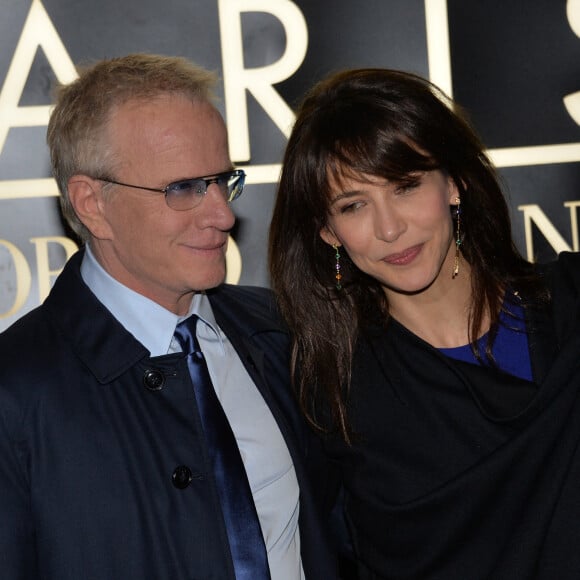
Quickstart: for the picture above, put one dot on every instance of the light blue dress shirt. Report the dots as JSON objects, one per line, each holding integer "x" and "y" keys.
{"x": 266, "y": 458}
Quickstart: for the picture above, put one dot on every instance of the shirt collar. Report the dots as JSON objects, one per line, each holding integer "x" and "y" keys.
{"x": 201, "y": 306}
{"x": 151, "y": 324}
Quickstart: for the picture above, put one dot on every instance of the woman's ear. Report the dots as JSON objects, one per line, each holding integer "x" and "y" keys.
{"x": 329, "y": 237}
{"x": 454, "y": 195}
{"x": 86, "y": 199}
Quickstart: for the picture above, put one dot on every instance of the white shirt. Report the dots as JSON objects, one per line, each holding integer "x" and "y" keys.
{"x": 264, "y": 453}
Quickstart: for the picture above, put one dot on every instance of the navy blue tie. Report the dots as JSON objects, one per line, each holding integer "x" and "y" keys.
{"x": 242, "y": 524}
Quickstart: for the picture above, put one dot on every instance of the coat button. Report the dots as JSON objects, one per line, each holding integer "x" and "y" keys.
{"x": 182, "y": 477}
{"x": 153, "y": 380}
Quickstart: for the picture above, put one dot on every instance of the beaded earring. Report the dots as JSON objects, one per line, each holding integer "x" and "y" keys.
{"x": 457, "y": 213}
{"x": 338, "y": 275}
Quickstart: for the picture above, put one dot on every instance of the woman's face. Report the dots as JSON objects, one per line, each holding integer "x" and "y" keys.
{"x": 401, "y": 235}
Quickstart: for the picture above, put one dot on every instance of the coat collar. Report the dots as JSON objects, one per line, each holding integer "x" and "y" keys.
{"x": 96, "y": 337}
{"x": 107, "y": 349}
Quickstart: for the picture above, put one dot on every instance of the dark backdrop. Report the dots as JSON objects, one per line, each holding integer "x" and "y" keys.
{"x": 509, "y": 63}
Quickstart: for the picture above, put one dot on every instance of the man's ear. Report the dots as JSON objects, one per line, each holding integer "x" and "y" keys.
{"x": 87, "y": 201}
{"x": 329, "y": 237}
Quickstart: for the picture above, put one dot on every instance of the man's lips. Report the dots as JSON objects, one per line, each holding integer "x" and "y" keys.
{"x": 206, "y": 247}
{"x": 403, "y": 258}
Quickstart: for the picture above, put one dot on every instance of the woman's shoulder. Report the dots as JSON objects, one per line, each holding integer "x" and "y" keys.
{"x": 563, "y": 274}
{"x": 562, "y": 279}
{"x": 570, "y": 260}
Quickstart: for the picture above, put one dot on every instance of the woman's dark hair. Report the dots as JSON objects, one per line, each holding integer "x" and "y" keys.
{"x": 388, "y": 124}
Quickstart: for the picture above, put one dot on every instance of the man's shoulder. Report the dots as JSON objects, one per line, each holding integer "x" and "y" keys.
{"x": 258, "y": 294}
{"x": 254, "y": 305}
{"x": 26, "y": 331}
{"x": 29, "y": 350}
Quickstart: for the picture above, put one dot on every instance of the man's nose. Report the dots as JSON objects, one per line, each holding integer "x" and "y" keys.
{"x": 215, "y": 208}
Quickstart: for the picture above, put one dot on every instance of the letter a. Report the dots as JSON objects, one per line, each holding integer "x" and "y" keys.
{"x": 38, "y": 31}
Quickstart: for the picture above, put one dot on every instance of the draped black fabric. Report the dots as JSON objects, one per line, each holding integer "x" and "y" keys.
{"x": 460, "y": 472}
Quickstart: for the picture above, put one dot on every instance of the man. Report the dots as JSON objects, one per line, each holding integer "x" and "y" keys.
{"x": 106, "y": 471}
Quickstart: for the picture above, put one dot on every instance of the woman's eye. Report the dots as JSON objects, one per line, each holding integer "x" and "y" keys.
{"x": 407, "y": 186}
{"x": 351, "y": 207}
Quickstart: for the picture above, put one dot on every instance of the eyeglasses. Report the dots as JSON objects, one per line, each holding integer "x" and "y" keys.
{"x": 188, "y": 193}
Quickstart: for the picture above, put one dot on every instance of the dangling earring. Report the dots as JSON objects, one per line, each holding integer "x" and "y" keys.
{"x": 338, "y": 275}
{"x": 457, "y": 213}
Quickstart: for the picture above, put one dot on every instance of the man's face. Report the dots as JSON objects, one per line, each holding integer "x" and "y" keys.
{"x": 165, "y": 254}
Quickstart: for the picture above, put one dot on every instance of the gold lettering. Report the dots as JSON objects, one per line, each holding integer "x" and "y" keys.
{"x": 233, "y": 262}
{"x": 572, "y": 101}
{"x": 533, "y": 214}
{"x": 573, "y": 205}
{"x": 573, "y": 15}
{"x": 23, "y": 278}
{"x": 258, "y": 81}
{"x": 45, "y": 274}
{"x": 38, "y": 31}
{"x": 438, "y": 51}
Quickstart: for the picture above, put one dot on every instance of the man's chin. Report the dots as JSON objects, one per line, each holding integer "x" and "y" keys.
{"x": 213, "y": 279}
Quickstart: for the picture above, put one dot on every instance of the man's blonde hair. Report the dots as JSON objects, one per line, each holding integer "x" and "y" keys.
{"x": 77, "y": 130}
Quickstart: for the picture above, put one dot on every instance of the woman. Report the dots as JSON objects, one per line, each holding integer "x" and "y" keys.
{"x": 440, "y": 368}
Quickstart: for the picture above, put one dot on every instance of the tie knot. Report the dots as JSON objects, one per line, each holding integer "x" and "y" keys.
{"x": 185, "y": 334}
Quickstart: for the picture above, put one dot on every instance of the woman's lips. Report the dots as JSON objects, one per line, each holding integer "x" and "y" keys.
{"x": 403, "y": 258}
